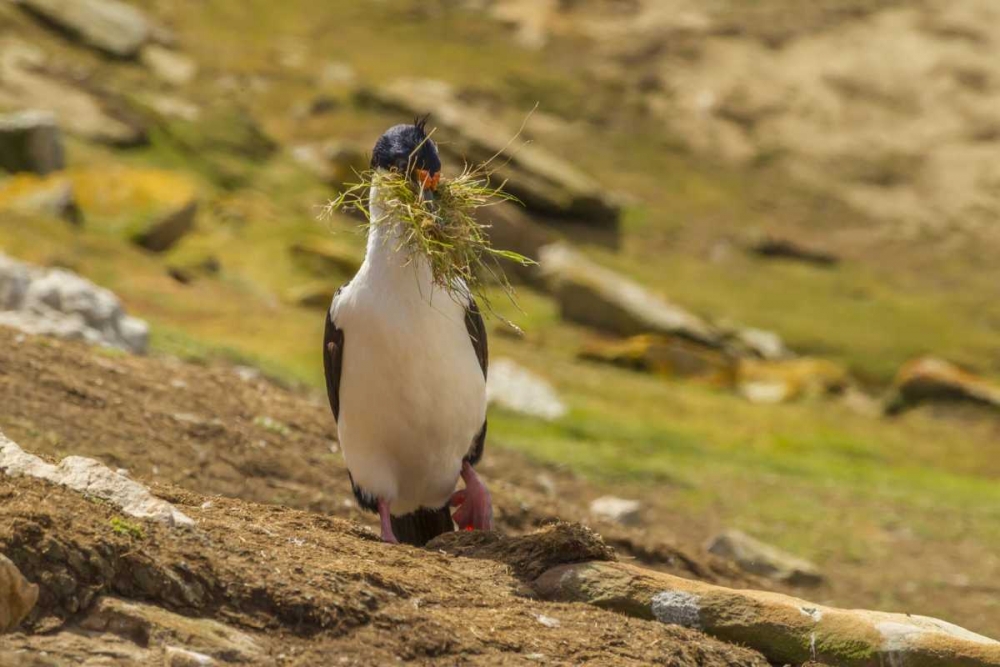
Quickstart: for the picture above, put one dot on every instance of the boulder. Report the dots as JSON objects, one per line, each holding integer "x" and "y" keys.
{"x": 618, "y": 510}
{"x": 515, "y": 388}
{"x": 60, "y": 303}
{"x": 595, "y": 296}
{"x": 93, "y": 478}
{"x": 17, "y": 595}
{"x": 50, "y": 196}
{"x": 31, "y": 141}
{"x": 336, "y": 163}
{"x": 763, "y": 559}
{"x": 669, "y": 356}
{"x": 112, "y": 27}
{"x": 786, "y": 630}
{"x": 168, "y": 65}
{"x": 763, "y": 381}
{"x": 545, "y": 183}
{"x": 933, "y": 380}
{"x": 161, "y": 232}
{"x": 323, "y": 257}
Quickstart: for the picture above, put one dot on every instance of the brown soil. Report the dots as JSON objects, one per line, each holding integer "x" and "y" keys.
{"x": 279, "y": 551}
{"x": 209, "y": 430}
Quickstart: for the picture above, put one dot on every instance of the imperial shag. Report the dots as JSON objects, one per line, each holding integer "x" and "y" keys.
{"x": 406, "y": 364}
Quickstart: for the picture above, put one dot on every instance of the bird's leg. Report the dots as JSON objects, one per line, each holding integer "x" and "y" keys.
{"x": 383, "y": 515}
{"x": 475, "y": 506}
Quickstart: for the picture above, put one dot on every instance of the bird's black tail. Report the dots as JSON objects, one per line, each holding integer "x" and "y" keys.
{"x": 422, "y": 526}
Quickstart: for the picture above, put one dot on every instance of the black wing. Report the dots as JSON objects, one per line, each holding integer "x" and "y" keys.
{"x": 333, "y": 357}
{"x": 477, "y": 333}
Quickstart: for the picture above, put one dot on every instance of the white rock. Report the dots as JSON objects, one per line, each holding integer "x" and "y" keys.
{"x": 179, "y": 657}
{"x": 94, "y": 478}
{"x": 620, "y": 510}
{"x": 60, "y": 303}
{"x": 519, "y": 390}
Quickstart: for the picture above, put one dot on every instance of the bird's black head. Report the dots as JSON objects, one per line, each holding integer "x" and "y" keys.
{"x": 408, "y": 150}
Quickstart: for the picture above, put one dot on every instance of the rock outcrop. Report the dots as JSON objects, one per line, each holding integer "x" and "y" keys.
{"x": 933, "y": 380}
{"x": 545, "y": 183}
{"x": 60, "y": 303}
{"x": 110, "y": 26}
{"x": 599, "y": 297}
{"x": 786, "y": 630}
{"x": 93, "y": 478}
{"x": 31, "y": 141}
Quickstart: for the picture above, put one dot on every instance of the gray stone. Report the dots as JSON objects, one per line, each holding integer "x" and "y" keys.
{"x": 60, "y": 303}
{"x": 763, "y": 559}
{"x": 595, "y": 296}
{"x": 110, "y": 26}
{"x": 17, "y": 595}
{"x": 93, "y": 478}
{"x": 31, "y": 141}
{"x": 517, "y": 389}
{"x": 619, "y": 510}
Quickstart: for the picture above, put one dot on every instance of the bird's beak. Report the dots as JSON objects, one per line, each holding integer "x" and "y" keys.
{"x": 428, "y": 183}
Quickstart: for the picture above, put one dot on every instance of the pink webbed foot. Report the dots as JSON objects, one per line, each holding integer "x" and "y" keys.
{"x": 383, "y": 514}
{"x": 475, "y": 506}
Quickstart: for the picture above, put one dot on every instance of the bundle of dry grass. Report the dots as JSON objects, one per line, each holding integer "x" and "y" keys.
{"x": 444, "y": 230}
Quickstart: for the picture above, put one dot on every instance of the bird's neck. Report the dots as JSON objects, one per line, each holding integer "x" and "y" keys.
{"x": 387, "y": 259}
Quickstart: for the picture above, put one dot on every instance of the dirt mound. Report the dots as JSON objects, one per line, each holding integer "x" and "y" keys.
{"x": 295, "y": 586}
{"x": 529, "y": 555}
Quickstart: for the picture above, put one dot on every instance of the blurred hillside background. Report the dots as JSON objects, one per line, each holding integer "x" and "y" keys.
{"x": 768, "y": 293}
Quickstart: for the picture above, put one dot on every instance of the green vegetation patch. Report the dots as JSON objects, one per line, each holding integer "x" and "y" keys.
{"x": 122, "y": 527}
